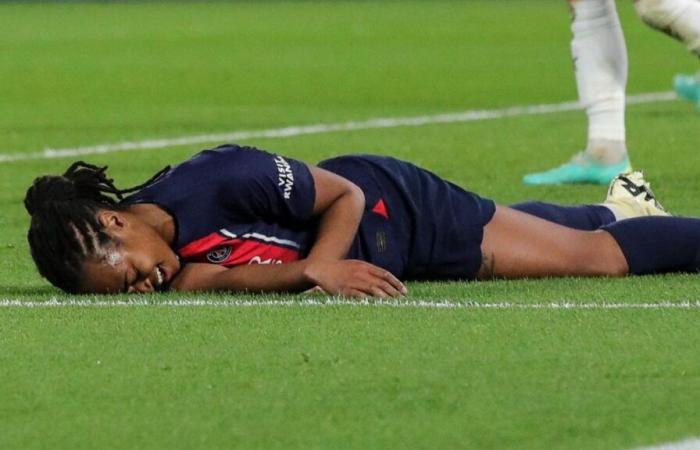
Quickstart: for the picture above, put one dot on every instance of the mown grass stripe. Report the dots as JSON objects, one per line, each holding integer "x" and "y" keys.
{"x": 299, "y": 130}
{"x": 334, "y": 301}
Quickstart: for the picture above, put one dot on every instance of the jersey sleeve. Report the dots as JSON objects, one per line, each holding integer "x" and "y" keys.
{"x": 261, "y": 185}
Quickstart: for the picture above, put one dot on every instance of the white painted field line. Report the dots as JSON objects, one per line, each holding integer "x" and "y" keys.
{"x": 335, "y": 301}
{"x": 687, "y": 444}
{"x": 299, "y": 130}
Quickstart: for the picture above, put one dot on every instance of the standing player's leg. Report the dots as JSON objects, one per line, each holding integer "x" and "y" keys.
{"x": 681, "y": 20}
{"x": 677, "y": 18}
{"x": 517, "y": 245}
{"x": 600, "y": 64}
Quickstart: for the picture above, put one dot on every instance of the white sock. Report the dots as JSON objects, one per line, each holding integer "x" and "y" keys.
{"x": 606, "y": 151}
{"x": 600, "y": 62}
{"x": 678, "y": 18}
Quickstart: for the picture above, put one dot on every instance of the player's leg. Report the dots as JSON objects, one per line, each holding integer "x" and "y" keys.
{"x": 677, "y": 18}
{"x": 629, "y": 195}
{"x": 578, "y": 217}
{"x": 516, "y": 245}
{"x": 600, "y": 64}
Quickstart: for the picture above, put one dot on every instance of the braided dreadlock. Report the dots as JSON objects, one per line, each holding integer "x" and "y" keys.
{"x": 64, "y": 229}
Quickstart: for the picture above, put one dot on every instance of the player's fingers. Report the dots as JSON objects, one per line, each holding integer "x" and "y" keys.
{"x": 367, "y": 286}
{"x": 379, "y": 292}
{"x": 374, "y": 288}
{"x": 356, "y": 293}
{"x": 375, "y": 280}
{"x": 390, "y": 278}
{"x": 390, "y": 290}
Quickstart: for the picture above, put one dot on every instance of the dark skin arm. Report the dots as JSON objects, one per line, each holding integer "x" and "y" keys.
{"x": 340, "y": 205}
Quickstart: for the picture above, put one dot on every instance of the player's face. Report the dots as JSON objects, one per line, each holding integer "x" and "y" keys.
{"x": 137, "y": 260}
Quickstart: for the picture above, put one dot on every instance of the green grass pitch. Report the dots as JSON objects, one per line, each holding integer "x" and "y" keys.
{"x": 339, "y": 376}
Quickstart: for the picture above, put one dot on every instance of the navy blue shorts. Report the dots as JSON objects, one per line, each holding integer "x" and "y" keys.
{"x": 416, "y": 224}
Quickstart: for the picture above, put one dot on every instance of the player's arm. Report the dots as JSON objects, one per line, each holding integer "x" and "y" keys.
{"x": 350, "y": 278}
{"x": 339, "y": 204}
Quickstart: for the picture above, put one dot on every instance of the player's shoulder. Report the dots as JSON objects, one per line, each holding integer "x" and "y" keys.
{"x": 229, "y": 161}
{"x": 227, "y": 153}
{"x": 205, "y": 170}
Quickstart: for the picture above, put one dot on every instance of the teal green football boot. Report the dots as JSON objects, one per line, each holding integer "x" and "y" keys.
{"x": 580, "y": 169}
{"x": 688, "y": 87}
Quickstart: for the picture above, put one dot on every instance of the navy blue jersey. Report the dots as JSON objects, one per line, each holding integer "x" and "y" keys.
{"x": 239, "y": 205}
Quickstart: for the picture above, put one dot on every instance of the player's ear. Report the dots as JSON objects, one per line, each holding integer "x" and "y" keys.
{"x": 112, "y": 221}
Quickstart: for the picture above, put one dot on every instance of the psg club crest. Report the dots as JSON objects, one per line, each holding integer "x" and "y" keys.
{"x": 219, "y": 254}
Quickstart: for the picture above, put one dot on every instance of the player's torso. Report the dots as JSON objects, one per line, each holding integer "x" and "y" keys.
{"x": 236, "y": 205}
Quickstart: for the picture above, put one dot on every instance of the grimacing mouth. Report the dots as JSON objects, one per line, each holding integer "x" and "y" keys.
{"x": 160, "y": 276}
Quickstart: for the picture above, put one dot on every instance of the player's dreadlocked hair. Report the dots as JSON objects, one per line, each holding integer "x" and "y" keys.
{"x": 64, "y": 229}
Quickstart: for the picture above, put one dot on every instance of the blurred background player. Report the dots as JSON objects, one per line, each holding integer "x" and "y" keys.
{"x": 600, "y": 64}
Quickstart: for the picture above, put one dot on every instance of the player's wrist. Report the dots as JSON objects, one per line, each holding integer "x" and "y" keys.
{"x": 314, "y": 268}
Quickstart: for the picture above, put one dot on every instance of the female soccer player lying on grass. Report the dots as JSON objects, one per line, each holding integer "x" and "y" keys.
{"x": 240, "y": 219}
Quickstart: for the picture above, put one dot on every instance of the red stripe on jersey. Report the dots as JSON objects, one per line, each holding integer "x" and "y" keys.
{"x": 218, "y": 249}
{"x": 254, "y": 252}
{"x": 202, "y": 245}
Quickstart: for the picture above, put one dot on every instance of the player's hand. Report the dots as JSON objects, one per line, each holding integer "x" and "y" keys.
{"x": 353, "y": 278}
